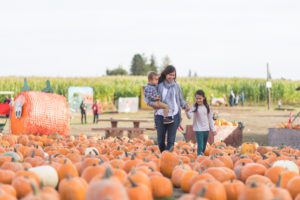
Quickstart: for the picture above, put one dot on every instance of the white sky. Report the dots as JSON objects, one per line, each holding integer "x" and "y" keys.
{"x": 212, "y": 38}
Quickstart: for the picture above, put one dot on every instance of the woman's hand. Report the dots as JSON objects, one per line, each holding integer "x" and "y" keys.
{"x": 187, "y": 108}
{"x": 214, "y": 133}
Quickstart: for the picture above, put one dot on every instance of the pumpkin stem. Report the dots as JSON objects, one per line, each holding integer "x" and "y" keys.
{"x": 94, "y": 150}
{"x": 108, "y": 173}
{"x": 126, "y": 154}
{"x": 34, "y": 188}
{"x": 132, "y": 157}
{"x": 202, "y": 192}
{"x": 100, "y": 161}
{"x": 276, "y": 153}
{"x": 278, "y": 183}
{"x": 133, "y": 184}
{"x": 253, "y": 185}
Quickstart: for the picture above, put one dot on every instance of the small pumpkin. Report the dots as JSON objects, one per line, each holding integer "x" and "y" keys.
{"x": 91, "y": 151}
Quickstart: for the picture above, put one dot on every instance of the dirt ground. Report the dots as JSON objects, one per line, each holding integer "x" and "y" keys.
{"x": 257, "y": 120}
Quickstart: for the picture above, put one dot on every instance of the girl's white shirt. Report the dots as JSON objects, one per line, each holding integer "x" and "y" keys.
{"x": 171, "y": 112}
{"x": 202, "y": 121}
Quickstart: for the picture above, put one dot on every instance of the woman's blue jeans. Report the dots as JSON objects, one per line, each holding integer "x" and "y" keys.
{"x": 166, "y": 129}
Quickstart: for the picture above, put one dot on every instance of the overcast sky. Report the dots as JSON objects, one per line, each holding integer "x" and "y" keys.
{"x": 212, "y": 38}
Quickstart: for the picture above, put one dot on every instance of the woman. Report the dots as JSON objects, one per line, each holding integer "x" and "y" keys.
{"x": 170, "y": 94}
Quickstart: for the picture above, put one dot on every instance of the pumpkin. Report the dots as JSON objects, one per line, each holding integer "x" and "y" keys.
{"x": 221, "y": 173}
{"x": 161, "y": 187}
{"x": 177, "y": 174}
{"x": 259, "y": 179}
{"x": 46, "y": 193}
{"x": 106, "y": 189}
{"x": 185, "y": 180}
{"x": 67, "y": 169}
{"x": 285, "y": 177}
{"x": 168, "y": 161}
{"x": 22, "y": 186}
{"x": 138, "y": 191}
{"x": 255, "y": 191}
{"x": 213, "y": 190}
{"x": 248, "y": 148}
{"x": 293, "y": 186}
{"x": 274, "y": 172}
{"x": 244, "y": 171}
{"x": 47, "y": 174}
{"x": 287, "y": 164}
{"x": 6, "y": 176}
{"x": 139, "y": 178}
{"x": 72, "y": 188}
{"x": 280, "y": 193}
{"x": 233, "y": 189}
{"x": 91, "y": 151}
{"x": 15, "y": 156}
{"x": 9, "y": 189}
{"x": 6, "y": 196}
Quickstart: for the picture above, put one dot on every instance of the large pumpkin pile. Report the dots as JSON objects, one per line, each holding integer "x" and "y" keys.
{"x": 74, "y": 168}
{"x": 223, "y": 122}
{"x": 289, "y": 125}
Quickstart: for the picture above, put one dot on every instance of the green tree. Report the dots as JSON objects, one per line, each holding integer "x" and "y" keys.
{"x": 165, "y": 62}
{"x": 138, "y": 65}
{"x": 152, "y": 65}
{"x": 118, "y": 71}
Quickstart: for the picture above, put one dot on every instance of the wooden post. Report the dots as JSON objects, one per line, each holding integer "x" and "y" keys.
{"x": 269, "y": 86}
{"x": 269, "y": 98}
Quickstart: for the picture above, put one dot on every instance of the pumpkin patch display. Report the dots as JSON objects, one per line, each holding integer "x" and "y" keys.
{"x": 80, "y": 167}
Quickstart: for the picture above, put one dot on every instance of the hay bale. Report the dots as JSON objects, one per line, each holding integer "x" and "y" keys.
{"x": 40, "y": 113}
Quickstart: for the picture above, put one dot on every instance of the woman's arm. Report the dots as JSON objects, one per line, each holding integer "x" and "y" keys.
{"x": 182, "y": 102}
{"x": 211, "y": 122}
{"x": 189, "y": 113}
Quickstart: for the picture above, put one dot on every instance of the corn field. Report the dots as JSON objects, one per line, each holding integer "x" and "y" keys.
{"x": 112, "y": 87}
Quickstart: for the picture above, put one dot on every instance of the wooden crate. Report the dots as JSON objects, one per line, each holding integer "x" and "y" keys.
{"x": 284, "y": 136}
{"x": 231, "y": 135}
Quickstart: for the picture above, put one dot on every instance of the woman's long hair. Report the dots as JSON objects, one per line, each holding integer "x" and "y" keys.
{"x": 168, "y": 70}
{"x": 201, "y": 93}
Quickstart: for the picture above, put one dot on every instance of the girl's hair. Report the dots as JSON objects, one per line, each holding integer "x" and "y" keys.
{"x": 168, "y": 70}
{"x": 201, "y": 93}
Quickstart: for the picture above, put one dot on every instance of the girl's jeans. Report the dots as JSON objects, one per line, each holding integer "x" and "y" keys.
{"x": 201, "y": 137}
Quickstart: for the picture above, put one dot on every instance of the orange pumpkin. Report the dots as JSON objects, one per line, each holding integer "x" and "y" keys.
{"x": 161, "y": 187}
{"x": 233, "y": 189}
{"x": 138, "y": 191}
{"x": 293, "y": 186}
{"x": 255, "y": 191}
{"x": 168, "y": 161}
{"x": 213, "y": 190}
{"x": 72, "y": 188}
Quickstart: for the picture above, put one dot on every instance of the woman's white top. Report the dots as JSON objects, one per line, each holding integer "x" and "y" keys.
{"x": 202, "y": 121}
{"x": 171, "y": 112}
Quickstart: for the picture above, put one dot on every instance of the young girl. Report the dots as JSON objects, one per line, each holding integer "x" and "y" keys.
{"x": 202, "y": 120}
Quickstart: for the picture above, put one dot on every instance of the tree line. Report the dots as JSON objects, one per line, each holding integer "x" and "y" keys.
{"x": 140, "y": 65}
